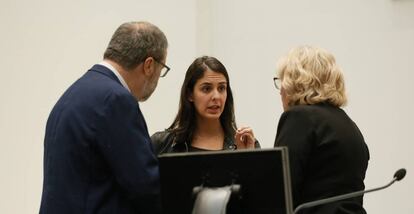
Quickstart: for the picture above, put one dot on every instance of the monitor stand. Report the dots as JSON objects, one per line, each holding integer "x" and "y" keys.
{"x": 213, "y": 200}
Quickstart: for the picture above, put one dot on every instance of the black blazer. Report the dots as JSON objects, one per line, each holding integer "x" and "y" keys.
{"x": 328, "y": 156}
{"x": 98, "y": 156}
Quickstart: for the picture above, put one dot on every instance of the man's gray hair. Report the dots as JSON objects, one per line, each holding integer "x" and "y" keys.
{"x": 133, "y": 42}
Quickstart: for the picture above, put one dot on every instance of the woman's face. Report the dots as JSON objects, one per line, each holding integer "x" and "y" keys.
{"x": 209, "y": 95}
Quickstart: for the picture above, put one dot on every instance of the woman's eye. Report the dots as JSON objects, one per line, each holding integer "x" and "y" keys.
{"x": 222, "y": 88}
{"x": 205, "y": 89}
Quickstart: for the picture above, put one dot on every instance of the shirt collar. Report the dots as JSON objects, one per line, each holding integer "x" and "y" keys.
{"x": 116, "y": 72}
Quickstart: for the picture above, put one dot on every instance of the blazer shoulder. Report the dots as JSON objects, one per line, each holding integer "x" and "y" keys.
{"x": 161, "y": 139}
{"x": 302, "y": 108}
{"x": 299, "y": 111}
{"x": 311, "y": 111}
{"x": 160, "y": 136}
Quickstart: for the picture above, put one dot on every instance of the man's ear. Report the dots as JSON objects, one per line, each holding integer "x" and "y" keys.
{"x": 148, "y": 66}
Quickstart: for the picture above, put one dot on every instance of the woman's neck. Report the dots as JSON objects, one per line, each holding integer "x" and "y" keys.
{"x": 209, "y": 134}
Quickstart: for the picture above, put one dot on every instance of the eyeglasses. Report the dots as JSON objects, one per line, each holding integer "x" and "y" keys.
{"x": 164, "y": 69}
{"x": 278, "y": 82}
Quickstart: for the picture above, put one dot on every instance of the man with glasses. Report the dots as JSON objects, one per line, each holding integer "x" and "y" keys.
{"x": 164, "y": 69}
{"x": 98, "y": 156}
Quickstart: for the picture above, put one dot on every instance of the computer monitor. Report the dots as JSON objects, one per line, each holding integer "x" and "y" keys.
{"x": 263, "y": 175}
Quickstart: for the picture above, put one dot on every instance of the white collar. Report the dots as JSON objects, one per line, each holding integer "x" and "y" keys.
{"x": 116, "y": 72}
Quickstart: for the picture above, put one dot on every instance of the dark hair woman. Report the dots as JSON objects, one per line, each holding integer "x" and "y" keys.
{"x": 205, "y": 120}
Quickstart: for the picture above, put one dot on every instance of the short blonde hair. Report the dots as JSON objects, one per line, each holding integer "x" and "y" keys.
{"x": 309, "y": 75}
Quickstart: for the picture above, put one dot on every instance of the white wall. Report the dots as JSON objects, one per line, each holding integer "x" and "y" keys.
{"x": 46, "y": 45}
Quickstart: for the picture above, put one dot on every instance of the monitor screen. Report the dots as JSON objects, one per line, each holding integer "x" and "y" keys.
{"x": 263, "y": 176}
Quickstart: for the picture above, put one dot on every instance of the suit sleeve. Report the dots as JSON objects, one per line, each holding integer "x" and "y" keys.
{"x": 124, "y": 141}
{"x": 295, "y": 131}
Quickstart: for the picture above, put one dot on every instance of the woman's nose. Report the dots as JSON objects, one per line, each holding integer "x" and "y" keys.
{"x": 216, "y": 94}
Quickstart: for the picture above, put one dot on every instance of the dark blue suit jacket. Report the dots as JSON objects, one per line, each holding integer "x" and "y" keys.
{"x": 98, "y": 156}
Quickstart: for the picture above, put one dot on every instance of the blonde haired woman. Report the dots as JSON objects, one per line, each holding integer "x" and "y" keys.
{"x": 328, "y": 154}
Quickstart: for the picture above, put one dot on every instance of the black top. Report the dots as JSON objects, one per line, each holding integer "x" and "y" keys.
{"x": 164, "y": 142}
{"x": 328, "y": 156}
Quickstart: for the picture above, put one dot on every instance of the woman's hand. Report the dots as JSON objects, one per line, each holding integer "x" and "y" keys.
{"x": 245, "y": 138}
